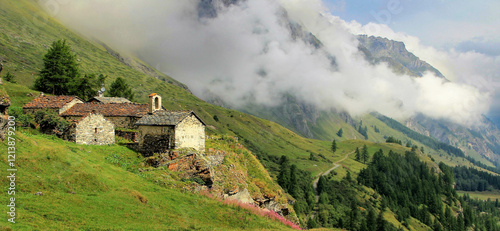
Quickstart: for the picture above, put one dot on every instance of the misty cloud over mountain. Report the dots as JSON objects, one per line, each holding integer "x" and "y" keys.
{"x": 248, "y": 52}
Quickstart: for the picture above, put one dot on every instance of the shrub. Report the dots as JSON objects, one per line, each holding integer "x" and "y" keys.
{"x": 50, "y": 122}
{"x": 22, "y": 120}
{"x": 9, "y": 77}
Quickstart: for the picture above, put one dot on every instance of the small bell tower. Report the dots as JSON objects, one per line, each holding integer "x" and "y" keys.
{"x": 154, "y": 103}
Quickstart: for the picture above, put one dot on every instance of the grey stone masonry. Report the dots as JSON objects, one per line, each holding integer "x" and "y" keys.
{"x": 94, "y": 129}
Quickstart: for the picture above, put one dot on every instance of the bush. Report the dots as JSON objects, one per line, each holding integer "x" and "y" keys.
{"x": 9, "y": 77}
{"x": 22, "y": 120}
{"x": 50, "y": 122}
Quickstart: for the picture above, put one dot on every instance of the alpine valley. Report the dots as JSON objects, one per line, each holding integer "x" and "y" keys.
{"x": 294, "y": 160}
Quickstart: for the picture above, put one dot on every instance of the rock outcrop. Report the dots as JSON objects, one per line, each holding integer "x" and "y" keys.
{"x": 225, "y": 179}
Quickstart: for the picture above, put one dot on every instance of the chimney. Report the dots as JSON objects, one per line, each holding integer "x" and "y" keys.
{"x": 100, "y": 94}
{"x": 154, "y": 102}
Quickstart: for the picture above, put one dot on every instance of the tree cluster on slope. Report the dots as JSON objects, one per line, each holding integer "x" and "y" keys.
{"x": 61, "y": 75}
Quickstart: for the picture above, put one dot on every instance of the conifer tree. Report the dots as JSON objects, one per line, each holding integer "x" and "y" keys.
{"x": 371, "y": 219}
{"x": 334, "y": 146}
{"x": 86, "y": 87}
{"x": 358, "y": 155}
{"x": 284, "y": 175}
{"x": 340, "y": 132}
{"x": 364, "y": 154}
{"x": 381, "y": 223}
{"x": 293, "y": 184}
{"x": 60, "y": 68}
{"x": 119, "y": 88}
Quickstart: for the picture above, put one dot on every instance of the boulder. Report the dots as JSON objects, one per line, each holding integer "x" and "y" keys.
{"x": 243, "y": 197}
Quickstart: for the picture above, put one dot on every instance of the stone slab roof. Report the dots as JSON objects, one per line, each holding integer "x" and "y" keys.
{"x": 166, "y": 118}
{"x": 105, "y": 109}
{"x": 50, "y": 101}
{"x": 110, "y": 100}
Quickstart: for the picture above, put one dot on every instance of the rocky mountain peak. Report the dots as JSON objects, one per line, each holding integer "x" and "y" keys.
{"x": 396, "y": 55}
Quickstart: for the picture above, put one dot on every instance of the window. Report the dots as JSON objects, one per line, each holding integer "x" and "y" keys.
{"x": 95, "y": 130}
{"x": 157, "y": 103}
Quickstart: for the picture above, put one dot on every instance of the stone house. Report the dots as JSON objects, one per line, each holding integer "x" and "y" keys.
{"x": 92, "y": 129}
{"x": 122, "y": 115}
{"x": 56, "y": 103}
{"x": 161, "y": 130}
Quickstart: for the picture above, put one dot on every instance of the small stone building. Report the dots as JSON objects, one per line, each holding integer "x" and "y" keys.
{"x": 161, "y": 130}
{"x": 122, "y": 115}
{"x": 92, "y": 129}
{"x": 56, "y": 103}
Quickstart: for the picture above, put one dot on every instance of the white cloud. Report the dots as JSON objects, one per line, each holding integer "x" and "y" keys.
{"x": 246, "y": 54}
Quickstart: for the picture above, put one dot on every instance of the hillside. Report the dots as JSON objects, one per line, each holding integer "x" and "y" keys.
{"x": 65, "y": 186}
{"x": 93, "y": 188}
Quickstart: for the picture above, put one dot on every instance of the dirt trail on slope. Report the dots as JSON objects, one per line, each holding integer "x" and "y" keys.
{"x": 315, "y": 182}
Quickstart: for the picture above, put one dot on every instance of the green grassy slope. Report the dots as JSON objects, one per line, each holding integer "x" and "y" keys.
{"x": 89, "y": 188}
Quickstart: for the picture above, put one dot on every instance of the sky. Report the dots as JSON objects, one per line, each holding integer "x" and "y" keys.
{"x": 245, "y": 53}
{"x": 460, "y": 27}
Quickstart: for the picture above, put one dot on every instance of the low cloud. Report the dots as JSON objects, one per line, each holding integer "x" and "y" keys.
{"x": 247, "y": 54}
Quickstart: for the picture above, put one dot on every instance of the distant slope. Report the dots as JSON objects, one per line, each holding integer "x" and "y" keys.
{"x": 480, "y": 139}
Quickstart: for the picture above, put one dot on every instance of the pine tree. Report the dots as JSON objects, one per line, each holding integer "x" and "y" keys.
{"x": 348, "y": 176}
{"x": 60, "y": 69}
{"x": 119, "y": 88}
{"x": 293, "y": 184}
{"x": 371, "y": 219}
{"x": 358, "y": 155}
{"x": 340, "y": 132}
{"x": 86, "y": 87}
{"x": 334, "y": 146}
{"x": 381, "y": 223}
{"x": 311, "y": 223}
{"x": 353, "y": 216}
{"x": 322, "y": 184}
{"x": 284, "y": 175}
{"x": 364, "y": 154}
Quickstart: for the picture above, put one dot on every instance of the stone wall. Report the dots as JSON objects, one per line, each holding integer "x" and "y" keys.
{"x": 118, "y": 121}
{"x": 190, "y": 133}
{"x": 123, "y": 121}
{"x": 155, "y": 139}
{"x": 129, "y": 135}
{"x": 95, "y": 130}
{"x": 69, "y": 105}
